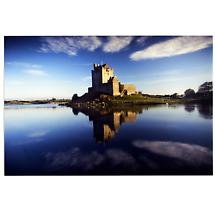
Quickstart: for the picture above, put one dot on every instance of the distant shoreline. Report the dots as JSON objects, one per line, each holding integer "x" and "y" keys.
{"x": 37, "y": 101}
{"x": 108, "y": 101}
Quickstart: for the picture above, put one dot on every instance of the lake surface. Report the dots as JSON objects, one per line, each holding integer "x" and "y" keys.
{"x": 153, "y": 140}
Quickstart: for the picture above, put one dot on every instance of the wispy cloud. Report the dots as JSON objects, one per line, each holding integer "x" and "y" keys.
{"x": 72, "y": 45}
{"x": 115, "y": 44}
{"x": 23, "y": 64}
{"x": 173, "y": 47}
{"x": 35, "y": 72}
{"x": 69, "y": 45}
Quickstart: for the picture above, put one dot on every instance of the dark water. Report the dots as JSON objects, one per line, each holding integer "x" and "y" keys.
{"x": 156, "y": 140}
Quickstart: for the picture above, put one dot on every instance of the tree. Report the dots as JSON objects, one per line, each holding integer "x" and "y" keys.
{"x": 205, "y": 87}
{"x": 75, "y": 97}
{"x": 205, "y": 91}
{"x": 175, "y": 95}
{"x": 189, "y": 93}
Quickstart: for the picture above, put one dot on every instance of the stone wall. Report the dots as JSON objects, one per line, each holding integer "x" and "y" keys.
{"x": 106, "y": 88}
{"x": 96, "y": 79}
{"x": 107, "y": 73}
{"x": 115, "y": 86}
{"x": 127, "y": 89}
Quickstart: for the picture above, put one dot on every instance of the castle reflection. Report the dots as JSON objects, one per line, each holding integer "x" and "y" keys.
{"x": 106, "y": 123}
{"x": 106, "y": 126}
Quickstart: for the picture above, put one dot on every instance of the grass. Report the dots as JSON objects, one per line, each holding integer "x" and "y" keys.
{"x": 140, "y": 99}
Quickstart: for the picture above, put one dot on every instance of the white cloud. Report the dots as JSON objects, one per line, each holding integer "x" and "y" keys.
{"x": 88, "y": 43}
{"x": 35, "y": 72}
{"x": 23, "y": 64}
{"x": 70, "y": 45}
{"x": 115, "y": 44}
{"x": 173, "y": 47}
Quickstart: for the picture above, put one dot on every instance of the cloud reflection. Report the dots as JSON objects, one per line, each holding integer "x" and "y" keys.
{"x": 74, "y": 158}
{"x": 120, "y": 157}
{"x": 191, "y": 154}
{"x": 154, "y": 157}
{"x": 82, "y": 161}
{"x": 39, "y": 133}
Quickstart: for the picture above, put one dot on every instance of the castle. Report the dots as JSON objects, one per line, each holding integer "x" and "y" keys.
{"x": 104, "y": 81}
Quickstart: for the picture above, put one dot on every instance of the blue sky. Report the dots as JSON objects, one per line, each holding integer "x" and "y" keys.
{"x": 46, "y": 67}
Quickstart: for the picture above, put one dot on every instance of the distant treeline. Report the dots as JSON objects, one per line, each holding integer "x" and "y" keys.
{"x": 42, "y": 101}
{"x": 205, "y": 91}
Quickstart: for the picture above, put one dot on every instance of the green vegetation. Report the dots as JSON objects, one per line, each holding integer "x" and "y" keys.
{"x": 141, "y": 100}
{"x": 44, "y": 101}
{"x": 104, "y": 101}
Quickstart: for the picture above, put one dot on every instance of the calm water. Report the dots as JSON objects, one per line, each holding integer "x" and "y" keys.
{"x": 53, "y": 140}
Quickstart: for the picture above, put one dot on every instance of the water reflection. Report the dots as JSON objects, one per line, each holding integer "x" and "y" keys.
{"x": 112, "y": 161}
{"x": 36, "y": 134}
{"x": 189, "y": 154}
{"x": 189, "y": 107}
{"x": 153, "y": 140}
{"x": 106, "y": 123}
{"x": 204, "y": 110}
{"x": 153, "y": 157}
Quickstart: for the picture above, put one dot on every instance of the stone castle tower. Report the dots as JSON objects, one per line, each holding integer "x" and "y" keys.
{"x": 104, "y": 81}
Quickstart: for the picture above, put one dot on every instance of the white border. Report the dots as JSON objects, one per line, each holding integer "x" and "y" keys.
{"x": 104, "y": 195}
